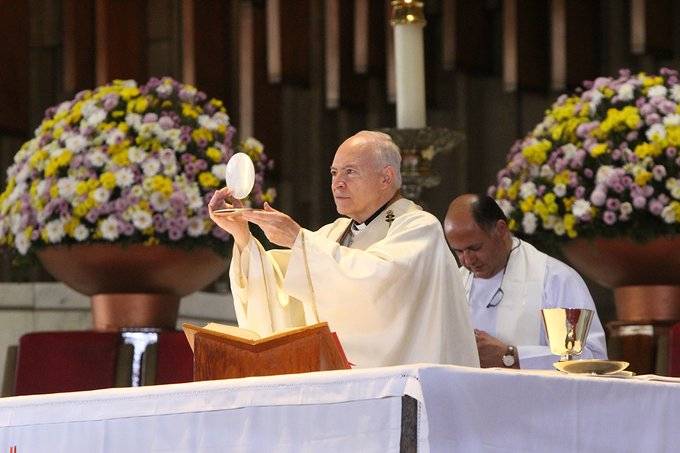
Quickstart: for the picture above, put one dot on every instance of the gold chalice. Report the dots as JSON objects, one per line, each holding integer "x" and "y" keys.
{"x": 567, "y": 330}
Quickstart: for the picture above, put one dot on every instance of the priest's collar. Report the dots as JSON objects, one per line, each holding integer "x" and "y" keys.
{"x": 356, "y": 227}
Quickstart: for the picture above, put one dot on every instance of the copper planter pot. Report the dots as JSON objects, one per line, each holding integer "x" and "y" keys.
{"x": 645, "y": 276}
{"x": 135, "y": 285}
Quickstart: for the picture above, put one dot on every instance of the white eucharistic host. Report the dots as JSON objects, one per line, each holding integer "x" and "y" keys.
{"x": 382, "y": 276}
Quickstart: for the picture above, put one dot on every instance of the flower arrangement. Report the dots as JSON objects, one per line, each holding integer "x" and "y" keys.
{"x": 125, "y": 163}
{"x": 603, "y": 162}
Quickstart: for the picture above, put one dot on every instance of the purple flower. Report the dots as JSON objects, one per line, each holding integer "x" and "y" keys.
{"x": 598, "y": 197}
{"x": 655, "y": 207}
{"x": 166, "y": 123}
{"x": 150, "y": 118}
{"x": 110, "y": 101}
{"x": 639, "y": 202}
{"x": 588, "y": 173}
{"x": 609, "y": 217}
{"x": 671, "y": 152}
{"x": 613, "y": 204}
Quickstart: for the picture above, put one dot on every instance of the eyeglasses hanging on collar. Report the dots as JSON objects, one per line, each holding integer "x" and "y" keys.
{"x": 497, "y": 296}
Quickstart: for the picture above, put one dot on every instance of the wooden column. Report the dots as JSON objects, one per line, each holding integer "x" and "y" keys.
{"x": 14, "y": 70}
{"x": 120, "y": 41}
{"x": 78, "y": 45}
{"x": 533, "y": 45}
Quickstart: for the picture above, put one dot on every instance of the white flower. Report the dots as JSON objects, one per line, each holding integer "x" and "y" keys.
{"x": 603, "y": 174}
{"x": 141, "y": 219}
{"x": 159, "y": 202}
{"x": 675, "y": 192}
{"x": 657, "y": 91}
{"x": 527, "y": 189}
{"x": 668, "y": 214}
{"x": 137, "y": 191}
{"x": 101, "y": 195}
{"x": 67, "y": 187}
{"x": 207, "y": 122}
{"x": 560, "y": 190}
{"x": 595, "y": 99}
{"x": 124, "y": 177}
{"x": 196, "y": 227}
{"x": 559, "y": 228}
{"x": 254, "y": 144}
{"x": 136, "y": 155}
{"x": 151, "y": 167}
{"x": 626, "y": 208}
{"x": 55, "y": 230}
{"x": 656, "y": 132}
{"x": 219, "y": 171}
{"x": 221, "y": 118}
{"x": 164, "y": 89}
{"x": 194, "y": 198}
{"x": 76, "y": 143}
{"x": 109, "y": 228}
{"x": 626, "y": 92}
{"x": 115, "y": 136}
{"x": 81, "y": 233}
{"x": 506, "y": 207}
{"x": 97, "y": 116}
{"x": 675, "y": 93}
{"x": 170, "y": 170}
{"x": 546, "y": 172}
{"x": 671, "y": 120}
{"x": 569, "y": 151}
{"x": 134, "y": 120}
{"x": 97, "y": 158}
{"x": 580, "y": 208}
{"x": 550, "y": 221}
{"x": 529, "y": 223}
{"x": 22, "y": 243}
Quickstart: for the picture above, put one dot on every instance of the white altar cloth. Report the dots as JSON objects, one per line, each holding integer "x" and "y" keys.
{"x": 459, "y": 409}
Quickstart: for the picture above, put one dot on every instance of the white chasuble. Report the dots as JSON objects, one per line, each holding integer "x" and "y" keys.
{"x": 394, "y": 297}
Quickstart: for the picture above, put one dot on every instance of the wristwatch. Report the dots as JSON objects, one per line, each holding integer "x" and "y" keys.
{"x": 509, "y": 357}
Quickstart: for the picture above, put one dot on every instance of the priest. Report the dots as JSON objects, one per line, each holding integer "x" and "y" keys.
{"x": 382, "y": 275}
{"x": 507, "y": 282}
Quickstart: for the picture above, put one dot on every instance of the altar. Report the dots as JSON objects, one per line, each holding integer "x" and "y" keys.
{"x": 458, "y": 409}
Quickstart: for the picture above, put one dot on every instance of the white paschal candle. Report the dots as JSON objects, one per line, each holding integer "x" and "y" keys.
{"x": 409, "y": 65}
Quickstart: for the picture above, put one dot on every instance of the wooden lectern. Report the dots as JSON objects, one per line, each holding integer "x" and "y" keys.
{"x": 219, "y": 355}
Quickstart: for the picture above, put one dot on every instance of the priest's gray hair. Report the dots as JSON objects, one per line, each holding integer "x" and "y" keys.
{"x": 385, "y": 151}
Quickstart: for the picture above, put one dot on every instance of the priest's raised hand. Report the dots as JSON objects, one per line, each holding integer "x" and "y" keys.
{"x": 279, "y": 228}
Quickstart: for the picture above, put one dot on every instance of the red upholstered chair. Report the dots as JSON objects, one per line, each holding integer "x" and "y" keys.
{"x": 174, "y": 359}
{"x": 49, "y": 362}
{"x": 674, "y": 350}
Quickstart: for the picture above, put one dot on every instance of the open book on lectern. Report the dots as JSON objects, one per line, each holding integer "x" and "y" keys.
{"x": 249, "y": 338}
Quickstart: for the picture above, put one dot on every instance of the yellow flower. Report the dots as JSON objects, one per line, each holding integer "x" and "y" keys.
{"x": 562, "y": 177}
{"x": 647, "y": 149}
{"x": 201, "y": 134}
{"x": 162, "y": 184}
{"x": 527, "y": 204}
{"x": 642, "y": 177}
{"x": 108, "y": 180}
{"x": 599, "y": 149}
{"x": 214, "y": 154}
{"x": 207, "y": 180}
{"x": 538, "y": 152}
{"x": 512, "y": 225}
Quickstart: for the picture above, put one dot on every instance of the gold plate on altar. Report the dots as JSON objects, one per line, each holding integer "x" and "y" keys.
{"x": 591, "y": 366}
{"x": 232, "y": 211}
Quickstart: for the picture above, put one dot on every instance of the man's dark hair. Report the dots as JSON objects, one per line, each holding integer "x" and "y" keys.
{"x": 486, "y": 212}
